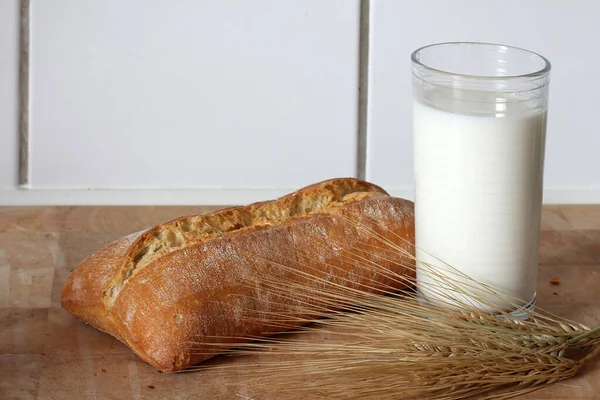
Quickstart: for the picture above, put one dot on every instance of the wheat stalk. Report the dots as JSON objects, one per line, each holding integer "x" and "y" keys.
{"x": 362, "y": 344}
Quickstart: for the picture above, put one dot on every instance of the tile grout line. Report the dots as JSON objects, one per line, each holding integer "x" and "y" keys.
{"x": 24, "y": 49}
{"x": 363, "y": 88}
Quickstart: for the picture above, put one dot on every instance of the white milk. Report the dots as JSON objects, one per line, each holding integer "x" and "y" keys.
{"x": 478, "y": 188}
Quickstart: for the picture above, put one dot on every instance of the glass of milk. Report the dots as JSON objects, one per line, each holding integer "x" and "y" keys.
{"x": 479, "y": 125}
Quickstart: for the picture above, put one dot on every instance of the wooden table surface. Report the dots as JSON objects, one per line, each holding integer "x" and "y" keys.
{"x": 46, "y": 354}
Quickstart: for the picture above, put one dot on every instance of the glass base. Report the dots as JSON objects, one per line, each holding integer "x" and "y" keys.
{"x": 522, "y": 313}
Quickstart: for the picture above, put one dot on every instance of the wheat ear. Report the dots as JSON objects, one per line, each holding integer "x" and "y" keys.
{"x": 354, "y": 343}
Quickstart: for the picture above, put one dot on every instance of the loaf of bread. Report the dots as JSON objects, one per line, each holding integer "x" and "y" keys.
{"x": 194, "y": 278}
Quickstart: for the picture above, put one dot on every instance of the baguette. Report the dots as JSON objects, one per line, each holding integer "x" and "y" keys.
{"x": 192, "y": 279}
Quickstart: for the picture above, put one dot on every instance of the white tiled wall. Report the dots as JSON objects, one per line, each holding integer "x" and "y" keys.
{"x": 565, "y": 32}
{"x": 222, "y": 99}
{"x": 9, "y": 75}
{"x": 187, "y": 93}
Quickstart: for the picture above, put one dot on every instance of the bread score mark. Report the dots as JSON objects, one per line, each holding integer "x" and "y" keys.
{"x": 185, "y": 231}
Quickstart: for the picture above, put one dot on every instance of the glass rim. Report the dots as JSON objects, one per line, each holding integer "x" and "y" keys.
{"x": 536, "y": 74}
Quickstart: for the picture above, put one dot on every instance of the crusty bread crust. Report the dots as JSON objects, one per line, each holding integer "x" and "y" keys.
{"x": 194, "y": 279}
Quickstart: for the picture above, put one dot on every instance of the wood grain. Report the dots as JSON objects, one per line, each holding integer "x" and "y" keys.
{"x": 46, "y": 354}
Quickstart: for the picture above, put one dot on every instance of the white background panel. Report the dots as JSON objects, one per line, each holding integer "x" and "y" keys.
{"x": 565, "y": 33}
{"x": 201, "y": 94}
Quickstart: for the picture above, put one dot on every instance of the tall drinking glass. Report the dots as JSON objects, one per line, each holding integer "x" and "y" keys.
{"x": 479, "y": 125}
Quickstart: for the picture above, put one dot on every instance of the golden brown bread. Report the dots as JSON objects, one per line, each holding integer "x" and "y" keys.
{"x": 195, "y": 277}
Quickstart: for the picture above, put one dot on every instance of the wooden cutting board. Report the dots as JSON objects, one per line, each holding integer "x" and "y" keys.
{"x": 46, "y": 354}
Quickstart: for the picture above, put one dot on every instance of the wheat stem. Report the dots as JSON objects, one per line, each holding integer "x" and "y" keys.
{"x": 585, "y": 335}
{"x": 593, "y": 354}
